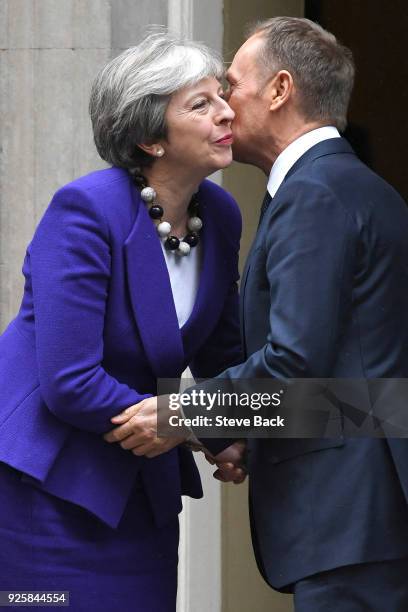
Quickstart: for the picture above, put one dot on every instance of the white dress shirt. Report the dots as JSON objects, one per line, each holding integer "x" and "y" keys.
{"x": 294, "y": 151}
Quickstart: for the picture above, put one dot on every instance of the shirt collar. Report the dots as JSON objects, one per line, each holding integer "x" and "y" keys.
{"x": 294, "y": 151}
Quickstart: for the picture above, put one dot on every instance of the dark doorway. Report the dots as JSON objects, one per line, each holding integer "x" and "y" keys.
{"x": 376, "y": 31}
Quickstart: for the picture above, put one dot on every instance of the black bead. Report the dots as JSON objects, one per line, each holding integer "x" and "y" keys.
{"x": 172, "y": 243}
{"x": 193, "y": 207}
{"x": 192, "y": 239}
{"x": 139, "y": 181}
{"x": 156, "y": 212}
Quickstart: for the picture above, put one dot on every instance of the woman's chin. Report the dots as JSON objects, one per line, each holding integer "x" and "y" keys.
{"x": 223, "y": 162}
{"x": 215, "y": 164}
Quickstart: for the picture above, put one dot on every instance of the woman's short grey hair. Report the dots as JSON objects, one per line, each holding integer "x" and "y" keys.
{"x": 129, "y": 96}
{"x": 321, "y": 67}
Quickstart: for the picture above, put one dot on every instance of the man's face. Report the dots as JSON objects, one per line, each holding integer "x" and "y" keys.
{"x": 245, "y": 97}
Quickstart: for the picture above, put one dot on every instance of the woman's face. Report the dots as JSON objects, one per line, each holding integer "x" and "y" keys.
{"x": 199, "y": 128}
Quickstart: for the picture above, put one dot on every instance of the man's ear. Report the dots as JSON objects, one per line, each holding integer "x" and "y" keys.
{"x": 155, "y": 149}
{"x": 280, "y": 89}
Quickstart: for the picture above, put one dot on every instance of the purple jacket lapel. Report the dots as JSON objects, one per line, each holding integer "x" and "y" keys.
{"x": 151, "y": 297}
{"x": 213, "y": 282}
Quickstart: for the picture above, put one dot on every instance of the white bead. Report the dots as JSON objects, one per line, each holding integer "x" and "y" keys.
{"x": 184, "y": 248}
{"x": 148, "y": 194}
{"x": 164, "y": 229}
{"x": 194, "y": 224}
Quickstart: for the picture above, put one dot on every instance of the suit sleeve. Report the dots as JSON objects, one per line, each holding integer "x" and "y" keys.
{"x": 70, "y": 267}
{"x": 310, "y": 242}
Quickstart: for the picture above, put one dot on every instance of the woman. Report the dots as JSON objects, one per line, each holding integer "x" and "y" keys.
{"x": 124, "y": 284}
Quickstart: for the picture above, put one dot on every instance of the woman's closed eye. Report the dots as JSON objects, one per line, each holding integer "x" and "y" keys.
{"x": 200, "y": 104}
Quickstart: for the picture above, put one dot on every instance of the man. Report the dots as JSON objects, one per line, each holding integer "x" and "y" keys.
{"x": 324, "y": 294}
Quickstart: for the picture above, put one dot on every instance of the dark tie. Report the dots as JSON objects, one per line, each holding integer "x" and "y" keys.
{"x": 266, "y": 201}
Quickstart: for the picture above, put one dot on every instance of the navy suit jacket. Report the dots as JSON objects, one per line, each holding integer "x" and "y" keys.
{"x": 325, "y": 295}
{"x": 96, "y": 329}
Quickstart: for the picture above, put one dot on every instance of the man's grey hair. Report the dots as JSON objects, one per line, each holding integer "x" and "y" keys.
{"x": 321, "y": 67}
{"x": 130, "y": 95}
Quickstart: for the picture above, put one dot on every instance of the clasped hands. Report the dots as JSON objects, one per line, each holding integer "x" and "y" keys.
{"x": 135, "y": 429}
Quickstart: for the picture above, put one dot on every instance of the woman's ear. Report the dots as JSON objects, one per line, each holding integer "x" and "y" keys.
{"x": 155, "y": 149}
{"x": 280, "y": 89}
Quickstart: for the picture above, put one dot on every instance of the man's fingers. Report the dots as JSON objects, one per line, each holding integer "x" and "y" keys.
{"x": 210, "y": 459}
{"x": 236, "y": 477}
{"x": 240, "y": 476}
{"x": 218, "y": 476}
{"x": 232, "y": 454}
{"x": 228, "y": 472}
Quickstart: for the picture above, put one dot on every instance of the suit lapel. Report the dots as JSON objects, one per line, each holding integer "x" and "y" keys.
{"x": 213, "y": 286}
{"x": 244, "y": 278}
{"x": 245, "y": 273}
{"x": 151, "y": 296}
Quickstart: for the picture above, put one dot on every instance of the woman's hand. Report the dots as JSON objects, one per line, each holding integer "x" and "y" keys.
{"x": 136, "y": 430}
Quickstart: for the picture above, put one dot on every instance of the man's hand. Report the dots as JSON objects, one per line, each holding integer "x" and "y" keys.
{"x": 136, "y": 430}
{"x": 230, "y": 463}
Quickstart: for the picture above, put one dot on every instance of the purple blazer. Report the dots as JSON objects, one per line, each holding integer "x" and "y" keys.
{"x": 96, "y": 328}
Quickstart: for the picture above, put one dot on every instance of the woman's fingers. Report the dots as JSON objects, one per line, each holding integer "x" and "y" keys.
{"x": 123, "y": 425}
{"x": 124, "y": 416}
{"x": 120, "y": 433}
{"x": 120, "y": 418}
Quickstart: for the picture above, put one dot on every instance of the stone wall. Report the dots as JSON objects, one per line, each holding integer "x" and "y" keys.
{"x": 50, "y": 51}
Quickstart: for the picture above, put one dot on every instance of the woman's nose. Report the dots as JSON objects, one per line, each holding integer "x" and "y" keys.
{"x": 226, "y": 114}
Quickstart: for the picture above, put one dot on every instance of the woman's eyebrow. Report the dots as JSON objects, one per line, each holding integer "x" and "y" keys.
{"x": 196, "y": 94}
{"x": 201, "y": 92}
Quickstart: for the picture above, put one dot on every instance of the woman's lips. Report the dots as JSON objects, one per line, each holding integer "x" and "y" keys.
{"x": 225, "y": 140}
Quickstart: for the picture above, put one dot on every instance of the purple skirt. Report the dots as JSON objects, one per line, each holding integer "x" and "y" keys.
{"x": 47, "y": 544}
